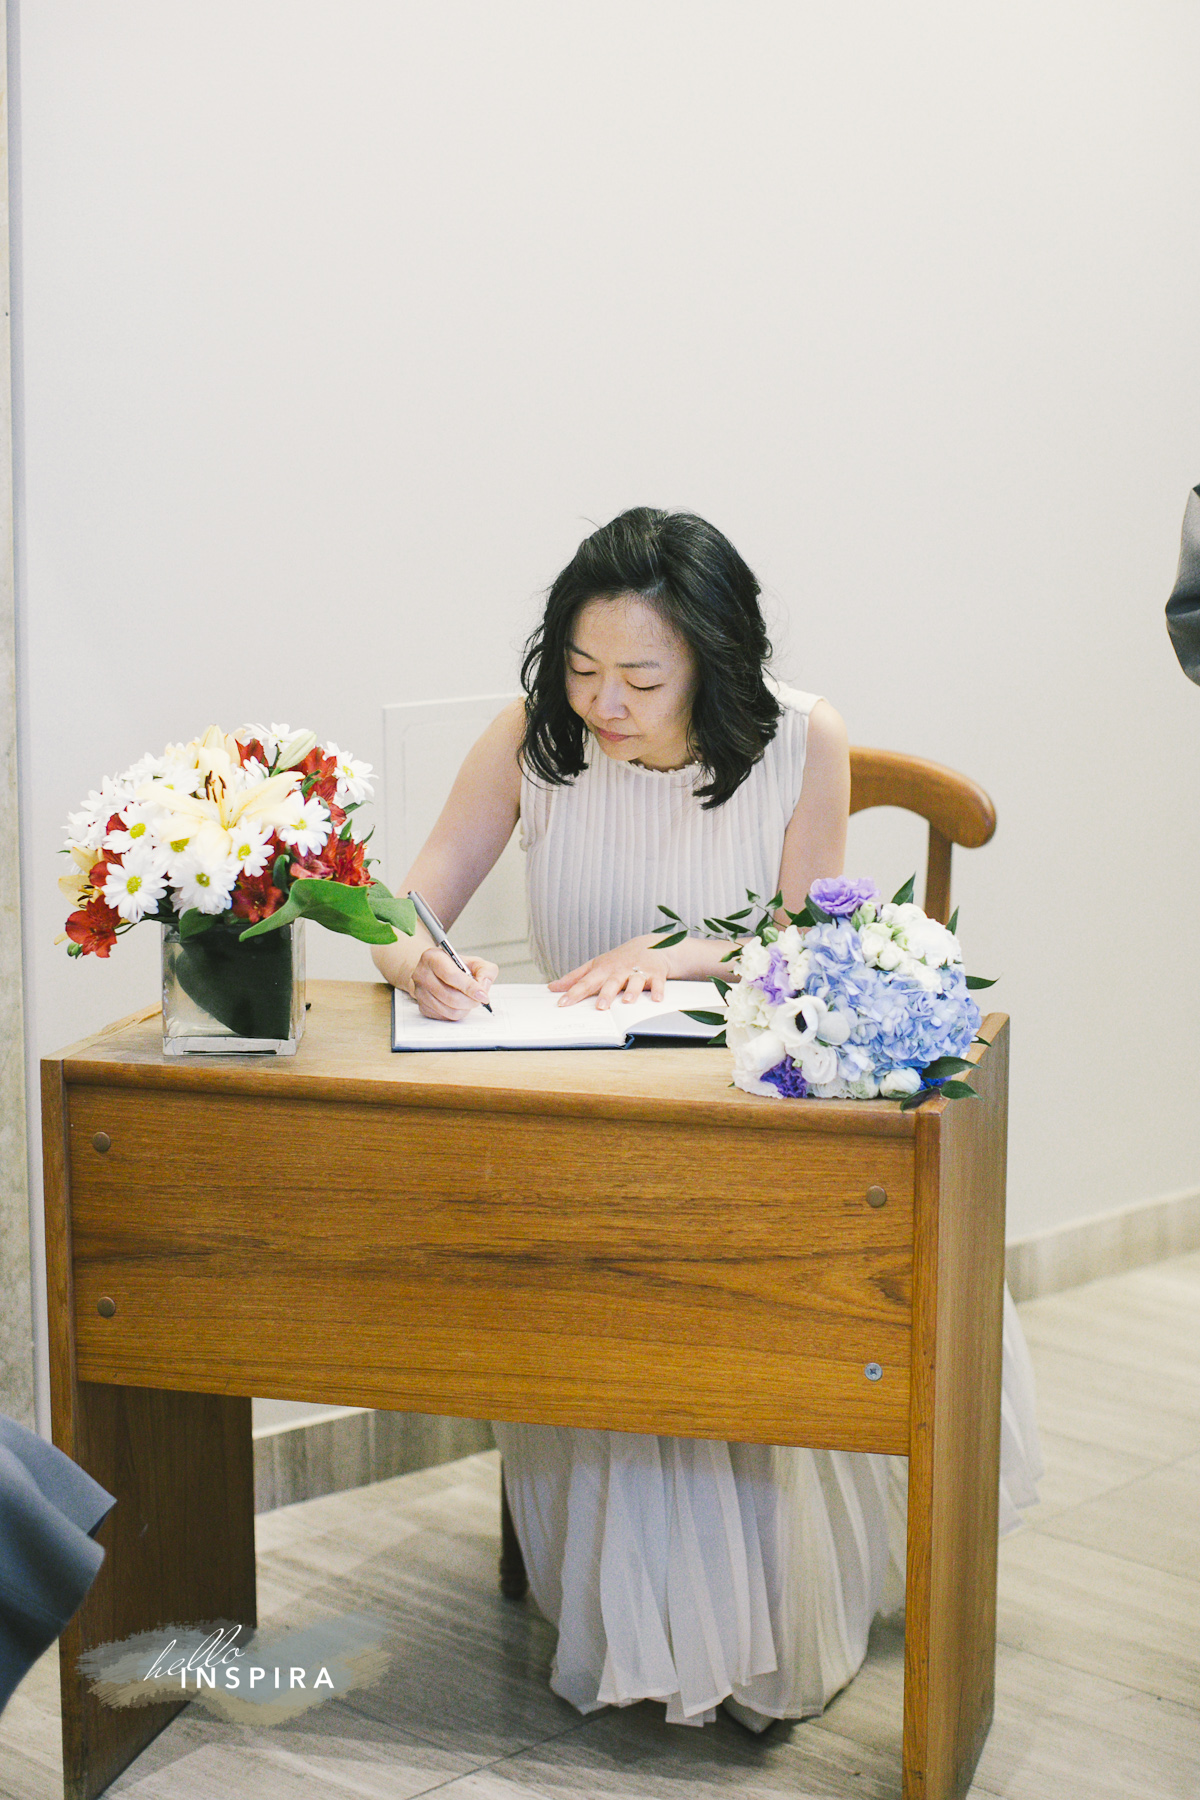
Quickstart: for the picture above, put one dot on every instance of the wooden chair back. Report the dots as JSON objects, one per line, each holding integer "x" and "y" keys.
{"x": 956, "y": 809}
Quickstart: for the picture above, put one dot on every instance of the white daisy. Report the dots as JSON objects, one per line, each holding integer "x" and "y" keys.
{"x": 251, "y": 847}
{"x": 352, "y": 777}
{"x": 207, "y": 889}
{"x": 138, "y": 830}
{"x": 136, "y": 887}
{"x": 307, "y": 825}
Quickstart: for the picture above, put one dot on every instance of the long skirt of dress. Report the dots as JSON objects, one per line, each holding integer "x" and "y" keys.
{"x": 691, "y": 1571}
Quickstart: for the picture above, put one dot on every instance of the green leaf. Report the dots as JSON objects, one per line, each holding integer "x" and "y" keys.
{"x": 665, "y": 943}
{"x": 952, "y": 927}
{"x": 193, "y": 922}
{"x": 744, "y": 914}
{"x": 904, "y": 896}
{"x": 281, "y": 872}
{"x": 331, "y": 904}
{"x": 958, "y": 1090}
{"x": 248, "y": 987}
{"x": 911, "y": 1100}
{"x": 717, "y": 1043}
{"x": 669, "y": 913}
{"x": 732, "y": 955}
{"x": 384, "y": 904}
{"x": 816, "y": 913}
{"x": 704, "y": 1018}
{"x": 776, "y": 900}
{"x": 980, "y": 981}
{"x": 716, "y": 926}
{"x": 946, "y": 1065}
{"x": 986, "y": 1042}
{"x": 722, "y": 987}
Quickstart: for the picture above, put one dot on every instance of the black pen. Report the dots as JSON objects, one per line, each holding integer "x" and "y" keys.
{"x": 433, "y": 926}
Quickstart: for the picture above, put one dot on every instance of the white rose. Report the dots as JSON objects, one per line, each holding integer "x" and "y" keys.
{"x": 789, "y": 943}
{"x": 817, "y": 1062}
{"x": 898, "y": 1082}
{"x": 755, "y": 959}
{"x": 755, "y": 1051}
{"x": 930, "y": 941}
{"x": 747, "y": 1005}
{"x": 837, "y": 1089}
{"x": 865, "y": 1087}
{"x": 874, "y": 939}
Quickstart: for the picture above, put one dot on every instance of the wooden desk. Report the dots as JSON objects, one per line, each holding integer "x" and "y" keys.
{"x": 596, "y": 1239}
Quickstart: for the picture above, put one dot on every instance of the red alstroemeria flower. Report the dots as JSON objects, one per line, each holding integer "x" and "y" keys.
{"x": 256, "y": 897}
{"x": 94, "y": 928}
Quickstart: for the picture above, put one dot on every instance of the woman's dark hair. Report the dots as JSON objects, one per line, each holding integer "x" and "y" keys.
{"x": 695, "y": 580}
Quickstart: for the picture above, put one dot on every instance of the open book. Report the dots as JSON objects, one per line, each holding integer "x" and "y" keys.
{"x": 527, "y": 1016}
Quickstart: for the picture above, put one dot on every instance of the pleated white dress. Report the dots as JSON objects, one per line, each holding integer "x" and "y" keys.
{"x": 676, "y": 1569}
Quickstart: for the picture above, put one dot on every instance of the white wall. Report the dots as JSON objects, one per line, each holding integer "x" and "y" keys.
{"x": 336, "y": 325}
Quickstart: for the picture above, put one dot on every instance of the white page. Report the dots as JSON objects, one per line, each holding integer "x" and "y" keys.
{"x": 526, "y": 1015}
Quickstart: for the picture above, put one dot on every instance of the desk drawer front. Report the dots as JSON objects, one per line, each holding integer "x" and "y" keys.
{"x": 711, "y": 1282}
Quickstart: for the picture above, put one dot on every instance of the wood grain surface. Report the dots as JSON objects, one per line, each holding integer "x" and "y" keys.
{"x": 954, "y": 1459}
{"x": 347, "y": 1044}
{"x": 713, "y": 1283}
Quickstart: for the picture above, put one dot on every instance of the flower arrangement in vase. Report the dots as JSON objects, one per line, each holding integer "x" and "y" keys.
{"x": 229, "y": 843}
{"x": 854, "y": 998}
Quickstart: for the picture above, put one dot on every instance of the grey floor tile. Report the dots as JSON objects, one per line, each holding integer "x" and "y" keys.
{"x": 1077, "y": 1471}
{"x": 1063, "y": 1733}
{"x": 1154, "y": 1520}
{"x": 1101, "y": 1614}
{"x": 1116, "y": 1407}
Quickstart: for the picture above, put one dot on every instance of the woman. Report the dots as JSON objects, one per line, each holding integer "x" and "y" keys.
{"x": 654, "y": 762}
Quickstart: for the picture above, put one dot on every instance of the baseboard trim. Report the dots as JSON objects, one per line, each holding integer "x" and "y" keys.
{"x": 1107, "y": 1244}
{"x": 300, "y": 1462}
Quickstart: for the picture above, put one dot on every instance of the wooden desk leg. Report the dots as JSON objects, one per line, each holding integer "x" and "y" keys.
{"x": 954, "y": 1453}
{"x": 179, "y": 1542}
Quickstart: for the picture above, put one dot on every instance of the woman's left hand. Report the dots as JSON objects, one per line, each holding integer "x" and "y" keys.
{"x": 628, "y": 971}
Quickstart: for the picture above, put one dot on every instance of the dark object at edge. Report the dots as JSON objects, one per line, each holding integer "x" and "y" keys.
{"x": 1183, "y": 608}
{"x": 49, "y": 1509}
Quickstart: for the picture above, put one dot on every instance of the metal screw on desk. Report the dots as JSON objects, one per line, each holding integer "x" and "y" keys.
{"x": 106, "y": 1307}
{"x": 876, "y": 1196}
{"x": 873, "y": 1372}
{"x": 102, "y": 1141}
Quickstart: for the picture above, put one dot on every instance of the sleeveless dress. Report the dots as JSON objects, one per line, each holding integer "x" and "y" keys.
{"x": 685, "y": 1570}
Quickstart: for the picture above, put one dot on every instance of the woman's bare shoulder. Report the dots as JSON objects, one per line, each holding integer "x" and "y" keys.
{"x": 827, "y": 730}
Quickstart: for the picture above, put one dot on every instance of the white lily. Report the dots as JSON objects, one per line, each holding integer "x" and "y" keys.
{"x": 205, "y": 822}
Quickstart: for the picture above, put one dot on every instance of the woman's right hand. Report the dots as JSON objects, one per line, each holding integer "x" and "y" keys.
{"x": 441, "y": 989}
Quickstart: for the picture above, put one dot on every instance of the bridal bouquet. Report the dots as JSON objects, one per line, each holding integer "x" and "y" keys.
{"x": 852, "y": 999}
{"x": 249, "y": 831}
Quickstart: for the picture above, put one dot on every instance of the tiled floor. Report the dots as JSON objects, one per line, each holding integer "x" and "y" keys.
{"x": 1098, "y": 1669}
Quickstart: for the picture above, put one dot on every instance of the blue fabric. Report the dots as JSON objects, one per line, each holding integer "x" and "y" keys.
{"x": 49, "y": 1508}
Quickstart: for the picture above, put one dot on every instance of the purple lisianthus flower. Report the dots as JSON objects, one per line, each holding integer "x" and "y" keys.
{"x": 775, "y": 983}
{"x": 839, "y": 897}
{"x": 788, "y": 1079}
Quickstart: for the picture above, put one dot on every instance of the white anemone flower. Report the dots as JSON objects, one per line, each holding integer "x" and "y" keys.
{"x": 306, "y": 826}
{"x": 353, "y": 783}
{"x": 135, "y": 887}
{"x": 206, "y": 888}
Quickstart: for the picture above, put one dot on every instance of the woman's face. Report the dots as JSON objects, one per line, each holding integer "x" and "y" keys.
{"x": 631, "y": 679}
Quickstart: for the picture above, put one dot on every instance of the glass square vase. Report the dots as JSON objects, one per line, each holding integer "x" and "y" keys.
{"x": 223, "y": 997}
